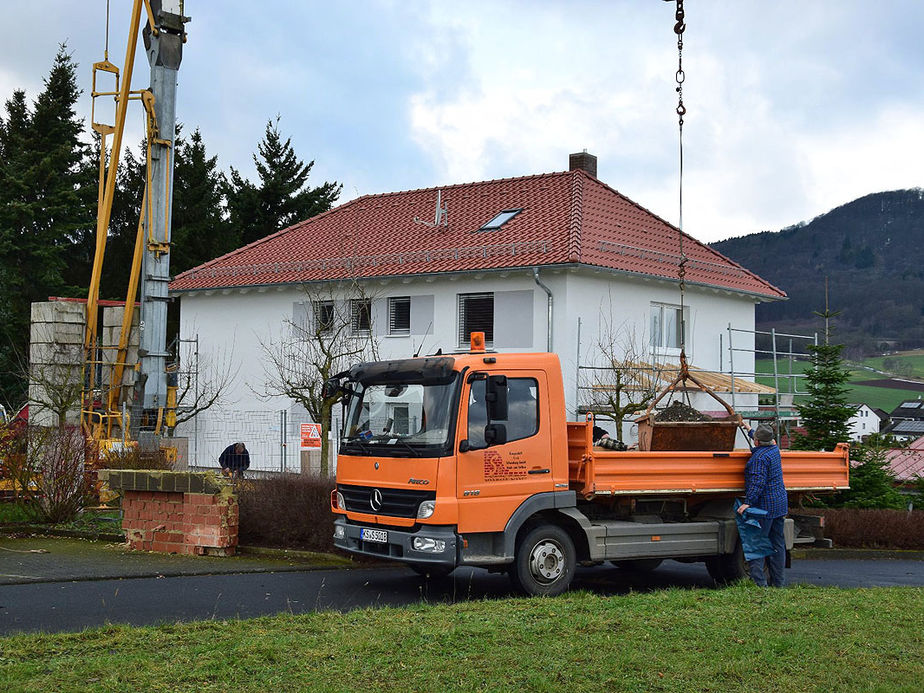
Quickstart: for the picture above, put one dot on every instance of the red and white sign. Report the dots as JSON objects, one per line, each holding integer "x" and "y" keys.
{"x": 311, "y": 436}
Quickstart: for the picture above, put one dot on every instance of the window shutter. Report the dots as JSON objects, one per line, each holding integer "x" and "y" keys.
{"x": 476, "y": 314}
{"x": 399, "y": 315}
{"x": 360, "y": 316}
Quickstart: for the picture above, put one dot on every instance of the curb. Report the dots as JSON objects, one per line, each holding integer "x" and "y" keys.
{"x": 10, "y": 530}
{"x": 331, "y": 561}
{"x": 857, "y": 554}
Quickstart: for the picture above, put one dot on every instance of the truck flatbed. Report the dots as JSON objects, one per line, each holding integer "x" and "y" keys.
{"x": 594, "y": 471}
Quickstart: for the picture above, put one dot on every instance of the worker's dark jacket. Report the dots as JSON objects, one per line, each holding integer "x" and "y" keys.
{"x": 763, "y": 477}
{"x": 229, "y": 459}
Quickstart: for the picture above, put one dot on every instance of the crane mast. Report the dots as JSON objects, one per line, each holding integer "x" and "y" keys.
{"x": 163, "y": 42}
{"x": 104, "y": 412}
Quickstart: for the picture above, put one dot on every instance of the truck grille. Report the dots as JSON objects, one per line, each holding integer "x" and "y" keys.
{"x": 396, "y": 502}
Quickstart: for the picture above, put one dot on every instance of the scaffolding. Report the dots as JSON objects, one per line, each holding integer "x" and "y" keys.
{"x": 783, "y": 351}
{"x": 790, "y": 377}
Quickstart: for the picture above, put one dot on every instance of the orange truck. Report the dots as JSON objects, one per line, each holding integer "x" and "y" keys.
{"x": 468, "y": 460}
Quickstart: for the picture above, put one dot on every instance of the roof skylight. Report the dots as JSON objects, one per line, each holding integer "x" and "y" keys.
{"x": 500, "y": 219}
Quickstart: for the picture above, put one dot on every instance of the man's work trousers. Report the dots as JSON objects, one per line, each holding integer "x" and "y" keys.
{"x": 776, "y": 563}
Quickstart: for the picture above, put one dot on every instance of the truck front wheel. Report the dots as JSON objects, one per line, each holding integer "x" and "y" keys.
{"x": 544, "y": 563}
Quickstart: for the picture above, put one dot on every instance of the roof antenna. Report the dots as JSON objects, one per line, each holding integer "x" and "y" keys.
{"x": 420, "y": 346}
{"x": 440, "y": 217}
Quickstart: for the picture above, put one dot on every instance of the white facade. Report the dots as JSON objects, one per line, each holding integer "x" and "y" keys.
{"x": 234, "y": 325}
{"x": 863, "y": 422}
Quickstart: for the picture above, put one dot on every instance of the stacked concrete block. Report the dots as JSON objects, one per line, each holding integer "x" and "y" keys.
{"x": 109, "y": 341}
{"x": 56, "y": 361}
{"x": 192, "y": 513}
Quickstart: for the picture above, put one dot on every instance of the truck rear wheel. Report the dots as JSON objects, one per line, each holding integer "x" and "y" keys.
{"x": 641, "y": 565}
{"x": 729, "y": 567}
{"x": 544, "y": 563}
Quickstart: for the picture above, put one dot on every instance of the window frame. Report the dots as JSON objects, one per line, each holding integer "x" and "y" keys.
{"x": 356, "y": 311}
{"x": 322, "y": 326}
{"x": 493, "y": 224}
{"x": 658, "y": 342}
{"x": 398, "y": 331}
{"x": 464, "y": 313}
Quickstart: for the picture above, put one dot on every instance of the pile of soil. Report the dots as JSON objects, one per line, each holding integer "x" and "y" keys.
{"x": 678, "y": 411}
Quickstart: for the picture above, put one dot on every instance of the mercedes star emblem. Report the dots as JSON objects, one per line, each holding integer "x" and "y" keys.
{"x": 375, "y": 501}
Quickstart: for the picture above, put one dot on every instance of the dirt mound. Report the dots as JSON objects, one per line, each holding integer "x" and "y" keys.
{"x": 678, "y": 411}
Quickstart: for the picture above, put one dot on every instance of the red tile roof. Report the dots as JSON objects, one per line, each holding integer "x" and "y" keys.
{"x": 907, "y": 464}
{"x": 567, "y": 218}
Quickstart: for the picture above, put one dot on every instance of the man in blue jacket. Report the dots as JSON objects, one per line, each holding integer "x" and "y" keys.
{"x": 234, "y": 460}
{"x": 764, "y": 489}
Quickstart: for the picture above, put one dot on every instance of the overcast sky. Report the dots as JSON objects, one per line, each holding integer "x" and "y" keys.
{"x": 794, "y": 106}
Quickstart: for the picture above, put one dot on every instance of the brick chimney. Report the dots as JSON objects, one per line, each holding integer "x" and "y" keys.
{"x": 583, "y": 161}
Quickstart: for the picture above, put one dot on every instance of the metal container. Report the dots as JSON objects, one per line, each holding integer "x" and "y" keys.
{"x": 686, "y": 435}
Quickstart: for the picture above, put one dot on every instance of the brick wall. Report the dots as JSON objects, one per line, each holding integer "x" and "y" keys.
{"x": 201, "y": 521}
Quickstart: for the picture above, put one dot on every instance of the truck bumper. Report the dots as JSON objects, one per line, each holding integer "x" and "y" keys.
{"x": 399, "y": 545}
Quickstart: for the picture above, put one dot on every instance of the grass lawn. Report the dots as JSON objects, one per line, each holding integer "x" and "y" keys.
{"x": 91, "y": 521}
{"x": 735, "y": 639}
{"x": 882, "y": 397}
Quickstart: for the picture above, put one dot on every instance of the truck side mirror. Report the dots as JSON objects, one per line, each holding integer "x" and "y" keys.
{"x": 496, "y": 398}
{"x": 495, "y": 434}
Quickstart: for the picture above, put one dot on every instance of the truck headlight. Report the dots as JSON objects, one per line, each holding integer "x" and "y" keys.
{"x": 426, "y": 509}
{"x": 428, "y": 544}
{"x": 339, "y": 532}
{"x": 341, "y": 503}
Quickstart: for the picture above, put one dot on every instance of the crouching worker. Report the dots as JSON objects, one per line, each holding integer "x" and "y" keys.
{"x": 234, "y": 460}
{"x": 764, "y": 489}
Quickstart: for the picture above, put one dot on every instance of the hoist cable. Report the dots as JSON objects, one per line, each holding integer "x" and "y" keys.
{"x": 679, "y": 76}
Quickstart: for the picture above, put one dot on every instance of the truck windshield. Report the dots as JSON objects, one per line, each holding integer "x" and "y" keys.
{"x": 400, "y": 420}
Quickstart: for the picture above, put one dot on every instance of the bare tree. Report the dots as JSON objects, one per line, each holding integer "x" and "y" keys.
{"x": 333, "y": 331}
{"x": 626, "y": 377}
{"x": 201, "y": 385}
{"x": 55, "y": 393}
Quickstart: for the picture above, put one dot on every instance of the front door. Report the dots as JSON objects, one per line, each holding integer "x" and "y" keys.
{"x": 493, "y": 481}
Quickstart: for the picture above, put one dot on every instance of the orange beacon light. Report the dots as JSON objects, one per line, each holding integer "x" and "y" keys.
{"x": 477, "y": 341}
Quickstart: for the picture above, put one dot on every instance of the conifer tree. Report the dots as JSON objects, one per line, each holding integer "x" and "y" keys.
{"x": 825, "y": 414}
{"x": 46, "y": 208}
{"x": 200, "y": 230}
{"x": 281, "y": 198}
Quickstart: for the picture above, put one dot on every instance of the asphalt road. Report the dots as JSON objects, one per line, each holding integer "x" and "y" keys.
{"x": 71, "y": 606}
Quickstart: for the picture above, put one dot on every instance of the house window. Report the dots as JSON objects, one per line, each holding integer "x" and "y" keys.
{"x": 666, "y": 323}
{"x": 323, "y": 316}
{"x": 360, "y": 316}
{"x": 476, "y": 314}
{"x": 500, "y": 219}
{"x": 399, "y": 315}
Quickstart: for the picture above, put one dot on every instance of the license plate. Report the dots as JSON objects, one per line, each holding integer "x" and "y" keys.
{"x": 379, "y": 536}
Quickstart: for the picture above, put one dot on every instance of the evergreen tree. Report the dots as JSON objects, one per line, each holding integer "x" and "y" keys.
{"x": 281, "y": 198}
{"x": 200, "y": 230}
{"x": 46, "y": 211}
{"x": 872, "y": 484}
{"x": 825, "y": 414}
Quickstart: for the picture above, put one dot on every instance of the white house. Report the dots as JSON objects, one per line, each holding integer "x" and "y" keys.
{"x": 863, "y": 422}
{"x": 551, "y": 262}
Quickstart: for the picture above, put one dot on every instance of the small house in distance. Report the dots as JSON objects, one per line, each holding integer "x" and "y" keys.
{"x": 555, "y": 262}
{"x": 907, "y": 420}
{"x": 864, "y": 421}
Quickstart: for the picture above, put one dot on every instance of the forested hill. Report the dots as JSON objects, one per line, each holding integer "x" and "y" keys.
{"x": 872, "y": 252}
